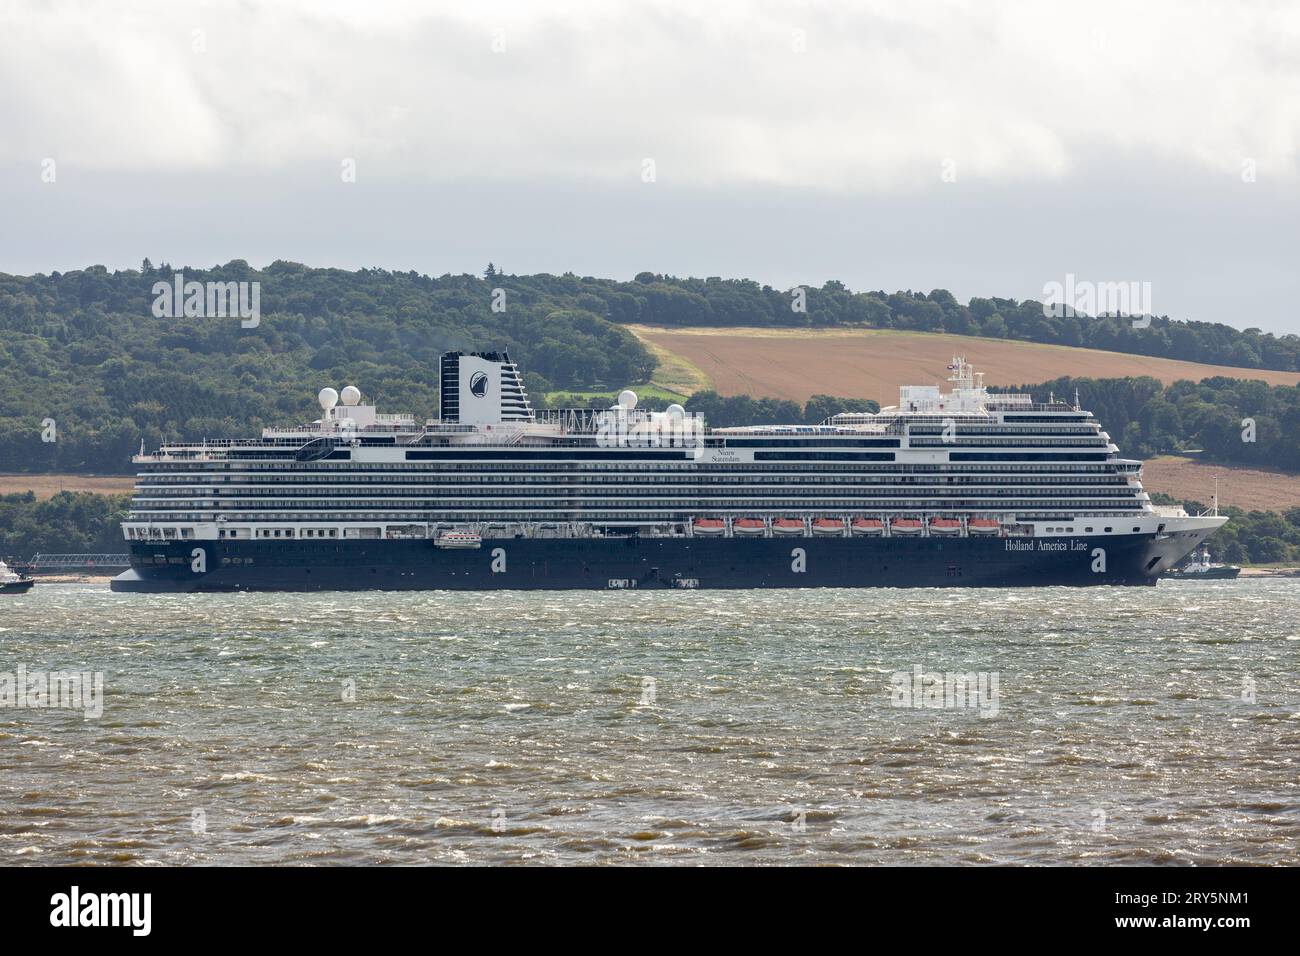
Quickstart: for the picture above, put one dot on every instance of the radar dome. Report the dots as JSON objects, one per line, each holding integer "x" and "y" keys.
{"x": 627, "y": 399}
{"x": 351, "y": 395}
{"x": 328, "y": 398}
{"x": 675, "y": 411}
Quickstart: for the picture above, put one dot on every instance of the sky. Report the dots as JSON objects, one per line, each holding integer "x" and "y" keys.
{"x": 989, "y": 148}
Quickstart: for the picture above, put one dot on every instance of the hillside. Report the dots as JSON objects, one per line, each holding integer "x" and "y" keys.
{"x": 870, "y": 363}
{"x": 1251, "y": 489}
{"x": 45, "y": 487}
{"x": 90, "y": 367}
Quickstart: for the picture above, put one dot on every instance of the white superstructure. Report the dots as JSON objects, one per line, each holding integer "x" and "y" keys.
{"x": 492, "y": 465}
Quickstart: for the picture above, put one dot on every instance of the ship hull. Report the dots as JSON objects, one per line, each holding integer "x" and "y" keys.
{"x": 614, "y": 563}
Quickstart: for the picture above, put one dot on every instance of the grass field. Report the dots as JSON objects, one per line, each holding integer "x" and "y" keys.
{"x": 872, "y": 363}
{"x": 47, "y": 486}
{"x": 1249, "y": 488}
{"x": 566, "y": 397}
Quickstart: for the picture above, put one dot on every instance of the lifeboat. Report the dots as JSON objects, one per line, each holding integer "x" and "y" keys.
{"x": 709, "y": 526}
{"x": 787, "y": 526}
{"x": 868, "y": 526}
{"x": 945, "y": 526}
{"x": 458, "y": 539}
{"x": 904, "y": 526}
{"x": 828, "y": 526}
{"x": 749, "y": 526}
{"x": 983, "y": 526}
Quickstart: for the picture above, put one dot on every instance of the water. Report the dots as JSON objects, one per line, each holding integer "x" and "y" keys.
{"x": 521, "y": 727}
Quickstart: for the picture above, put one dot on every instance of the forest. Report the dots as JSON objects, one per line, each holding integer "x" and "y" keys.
{"x": 72, "y": 522}
{"x": 88, "y": 371}
{"x": 1235, "y": 421}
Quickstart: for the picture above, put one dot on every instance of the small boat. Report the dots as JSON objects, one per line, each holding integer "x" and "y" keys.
{"x": 947, "y": 526}
{"x": 459, "y": 539}
{"x": 749, "y": 526}
{"x": 905, "y": 526}
{"x": 787, "y": 526}
{"x": 11, "y": 582}
{"x": 868, "y": 526}
{"x": 1200, "y": 568}
{"x": 983, "y": 526}
{"x": 709, "y": 526}
{"x": 828, "y": 526}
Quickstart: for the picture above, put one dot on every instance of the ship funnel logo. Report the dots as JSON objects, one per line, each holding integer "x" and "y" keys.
{"x": 478, "y": 384}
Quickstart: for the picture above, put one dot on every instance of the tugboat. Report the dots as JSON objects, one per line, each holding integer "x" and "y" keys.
{"x": 11, "y": 582}
{"x": 1199, "y": 568}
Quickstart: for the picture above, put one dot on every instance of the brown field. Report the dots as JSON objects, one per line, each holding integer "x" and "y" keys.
{"x": 871, "y": 363}
{"x": 1249, "y": 488}
{"x": 47, "y": 486}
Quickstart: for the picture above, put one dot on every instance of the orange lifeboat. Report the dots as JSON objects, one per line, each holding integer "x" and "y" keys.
{"x": 828, "y": 526}
{"x": 904, "y": 526}
{"x": 945, "y": 526}
{"x": 749, "y": 526}
{"x": 983, "y": 526}
{"x": 787, "y": 526}
{"x": 709, "y": 526}
{"x": 868, "y": 526}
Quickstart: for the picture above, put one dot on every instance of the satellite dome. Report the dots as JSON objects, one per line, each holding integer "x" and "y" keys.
{"x": 627, "y": 399}
{"x": 351, "y": 395}
{"x": 675, "y": 411}
{"x": 328, "y": 398}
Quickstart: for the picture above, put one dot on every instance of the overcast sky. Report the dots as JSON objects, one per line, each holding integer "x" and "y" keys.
{"x": 984, "y": 147}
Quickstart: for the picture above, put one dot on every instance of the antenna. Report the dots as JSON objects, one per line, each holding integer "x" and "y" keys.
{"x": 961, "y": 372}
{"x": 1216, "y": 496}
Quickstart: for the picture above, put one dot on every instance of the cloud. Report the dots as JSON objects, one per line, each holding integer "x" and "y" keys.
{"x": 857, "y": 98}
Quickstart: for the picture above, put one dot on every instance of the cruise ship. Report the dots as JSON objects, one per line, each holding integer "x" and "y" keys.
{"x": 959, "y": 487}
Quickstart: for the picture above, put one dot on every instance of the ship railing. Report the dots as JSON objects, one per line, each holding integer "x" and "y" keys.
{"x": 317, "y": 431}
{"x": 55, "y": 563}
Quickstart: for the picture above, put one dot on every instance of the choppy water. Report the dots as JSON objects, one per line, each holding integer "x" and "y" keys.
{"x": 513, "y": 727}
